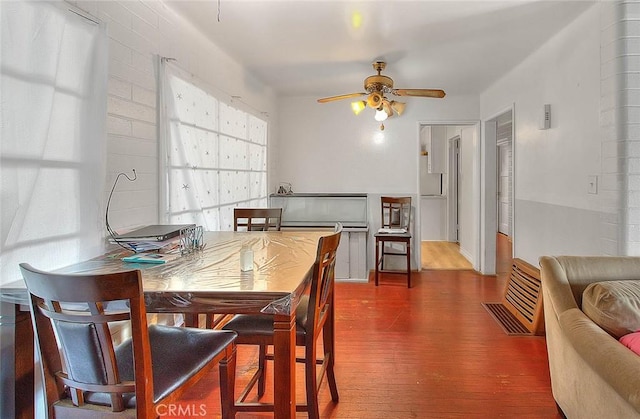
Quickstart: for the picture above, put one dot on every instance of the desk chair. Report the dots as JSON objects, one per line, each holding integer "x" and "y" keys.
{"x": 314, "y": 315}
{"x": 257, "y": 219}
{"x": 396, "y": 228}
{"x": 86, "y": 376}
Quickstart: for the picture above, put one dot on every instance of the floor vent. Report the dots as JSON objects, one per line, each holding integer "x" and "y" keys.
{"x": 523, "y": 296}
{"x": 509, "y": 323}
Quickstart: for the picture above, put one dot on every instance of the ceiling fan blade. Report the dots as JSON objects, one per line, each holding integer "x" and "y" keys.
{"x": 437, "y": 93}
{"x": 340, "y": 97}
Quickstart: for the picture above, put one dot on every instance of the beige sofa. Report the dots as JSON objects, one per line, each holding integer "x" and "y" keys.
{"x": 592, "y": 374}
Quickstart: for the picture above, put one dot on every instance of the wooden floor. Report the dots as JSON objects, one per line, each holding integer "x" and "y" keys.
{"x": 442, "y": 255}
{"x": 431, "y": 351}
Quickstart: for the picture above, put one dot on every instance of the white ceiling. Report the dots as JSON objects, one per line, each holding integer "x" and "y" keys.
{"x": 317, "y": 48}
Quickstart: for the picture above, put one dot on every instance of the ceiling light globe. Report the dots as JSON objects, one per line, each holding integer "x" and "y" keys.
{"x": 397, "y": 106}
{"x": 374, "y": 100}
{"x": 358, "y": 106}
{"x": 381, "y": 115}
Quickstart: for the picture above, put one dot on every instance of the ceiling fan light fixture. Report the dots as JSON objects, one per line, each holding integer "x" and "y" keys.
{"x": 374, "y": 100}
{"x": 381, "y": 115}
{"x": 397, "y": 106}
{"x": 376, "y": 88}
{"x": 386, "y": 107}
{"x": 358, "y": 106}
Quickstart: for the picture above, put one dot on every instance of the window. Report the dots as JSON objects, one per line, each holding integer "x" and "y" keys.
{"x": 214, "y": 156}
{"x": 53, "y": 82}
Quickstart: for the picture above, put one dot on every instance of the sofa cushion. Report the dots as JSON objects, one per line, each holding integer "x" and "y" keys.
{"x": 614, "y": 306}
{"x": 632, "y": 341}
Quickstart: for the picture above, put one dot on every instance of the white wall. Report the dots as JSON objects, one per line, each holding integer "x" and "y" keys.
{"x": 554, "y": 214}
{"x": 326, "y": 148}
{"x": 468, "y": 195}
{"x": 620, "y": 119}
{"x": 138, "y": 31}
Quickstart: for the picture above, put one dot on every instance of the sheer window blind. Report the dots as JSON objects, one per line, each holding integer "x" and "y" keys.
{"x": 214, "y": 155}
{"x": 53, "y": 81}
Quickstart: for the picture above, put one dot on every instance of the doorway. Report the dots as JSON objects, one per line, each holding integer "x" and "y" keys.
{"x": 504, "y": 189}
{"x": 446, "y": 216}
{"x": 504, "y": 145}
{"x": 499, "y": 131}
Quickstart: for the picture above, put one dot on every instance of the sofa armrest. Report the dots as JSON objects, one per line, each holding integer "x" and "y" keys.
{"x": 617, "y": 365}
{"x": 556, "y": 287}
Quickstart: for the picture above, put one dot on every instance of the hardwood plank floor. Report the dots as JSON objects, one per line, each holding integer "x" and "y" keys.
{"x": 431, "y": 351}
{"x": 443, "y": 255}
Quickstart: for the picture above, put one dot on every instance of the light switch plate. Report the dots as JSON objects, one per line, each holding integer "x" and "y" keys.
{"x": 593, "y": 184}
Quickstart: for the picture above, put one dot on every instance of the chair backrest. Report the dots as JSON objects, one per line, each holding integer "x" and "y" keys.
{"x": 323, "y": 280}
{"x": 71, "y": 316}
{"x": 257, "y": 219}
{"x": 396, "y": 212}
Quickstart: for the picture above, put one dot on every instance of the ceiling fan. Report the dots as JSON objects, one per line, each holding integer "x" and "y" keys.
{"x": 376, "y": 87}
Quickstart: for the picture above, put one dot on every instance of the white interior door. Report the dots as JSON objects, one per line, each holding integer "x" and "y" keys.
{"x": 504, "y": 188}
{"x": 453, "y": 188}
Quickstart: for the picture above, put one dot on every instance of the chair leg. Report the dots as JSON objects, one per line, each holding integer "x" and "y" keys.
{"x": 377, "y": 261}
{"x": 408, "y": 264}
{"x": 311, "y": 380}
{"x": 228, "y": 382}
{"x": 328, "y": 343}
{"x": 262, "y": 368}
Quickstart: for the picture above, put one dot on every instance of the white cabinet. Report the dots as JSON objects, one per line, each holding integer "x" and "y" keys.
{"x": 437, "y": 149}
{"x": 342, "y": 257}
{"x": 433, "y": 218}
{"x": 351, "y": 259}
{"x": 433, "y": 144}
{"x": 322, "y": 211}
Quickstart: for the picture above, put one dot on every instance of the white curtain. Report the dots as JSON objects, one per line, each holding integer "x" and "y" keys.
{"x": 213, "y": 155}
{"x": 53, "y": 75}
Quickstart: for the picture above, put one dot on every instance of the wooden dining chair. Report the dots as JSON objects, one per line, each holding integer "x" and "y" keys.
{"x": 244, "y": 219}
{"x": 85, "y": 375}
{"x": 396, "y": 228}
{"x": 257, "y": 219}
{"x": 314, "y": 316}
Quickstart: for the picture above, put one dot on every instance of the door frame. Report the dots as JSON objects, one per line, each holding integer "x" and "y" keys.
{"x": 476, "y": 201}
{"x": 488, "y": 191}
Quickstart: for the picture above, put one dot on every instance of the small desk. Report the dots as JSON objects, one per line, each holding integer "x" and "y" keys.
{"x": 210, "y": 281}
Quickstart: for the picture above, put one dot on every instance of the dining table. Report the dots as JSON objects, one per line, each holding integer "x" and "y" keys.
{"x": 207, "y": 280}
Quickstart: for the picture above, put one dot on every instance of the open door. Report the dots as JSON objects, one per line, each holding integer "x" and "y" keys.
{"x": 499, "y": 204}
{"x": 504, "y": 188}
{"x": 454, "y": 187}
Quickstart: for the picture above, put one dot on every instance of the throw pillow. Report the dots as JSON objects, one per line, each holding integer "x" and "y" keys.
{"x": 614, "y": 306}
{"x": 632, "y": 341}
